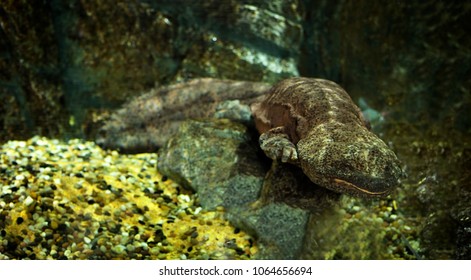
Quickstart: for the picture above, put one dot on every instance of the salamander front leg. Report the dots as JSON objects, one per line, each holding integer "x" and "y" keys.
{"x": 277, "y": 145}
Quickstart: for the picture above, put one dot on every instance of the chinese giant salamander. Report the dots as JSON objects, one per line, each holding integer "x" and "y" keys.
{"x": 312, "y": 123}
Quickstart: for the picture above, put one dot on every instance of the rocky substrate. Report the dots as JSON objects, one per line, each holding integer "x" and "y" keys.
{"x": 73, "y": 200}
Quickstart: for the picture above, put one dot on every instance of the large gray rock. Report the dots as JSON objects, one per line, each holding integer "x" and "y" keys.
{"x": 280, "y": 228}
{"x": 220, "y": 161}
{"x": 217, "y": 159}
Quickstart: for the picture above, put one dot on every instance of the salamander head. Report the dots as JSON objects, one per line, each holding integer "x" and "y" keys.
{"x": 357, "y": 167}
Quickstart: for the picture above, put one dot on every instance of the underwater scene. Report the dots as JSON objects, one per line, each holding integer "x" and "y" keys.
{"x": 224, "y": 129}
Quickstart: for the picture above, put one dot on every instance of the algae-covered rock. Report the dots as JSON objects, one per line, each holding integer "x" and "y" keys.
{"x": 217, "y": 159}
{"x": 76, "y": 60}
{"x": 221, "y": 163}
{"x": 280, "y": 228}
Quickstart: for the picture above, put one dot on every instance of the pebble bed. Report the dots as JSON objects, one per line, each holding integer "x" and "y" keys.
{"x": 73, "y": 200}
{"x": 374, "y": 229}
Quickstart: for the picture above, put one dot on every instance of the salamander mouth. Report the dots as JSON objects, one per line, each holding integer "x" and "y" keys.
{"x": 355, "y": 189}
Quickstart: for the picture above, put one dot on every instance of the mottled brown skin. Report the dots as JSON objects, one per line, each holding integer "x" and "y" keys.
{"x": 314, "y": 124}
{"x": 146, "y": 123}
{"x": 311, "y": 123}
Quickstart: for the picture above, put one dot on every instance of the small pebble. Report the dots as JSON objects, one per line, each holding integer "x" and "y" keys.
{"x": 130, "y": 248}
{"x": 118, "y": 249}
{"x": 103, "y": 248}
{"x": 28, "y": 201}
{"x": 19, "y": 220}
{"x": 155, "y": 250}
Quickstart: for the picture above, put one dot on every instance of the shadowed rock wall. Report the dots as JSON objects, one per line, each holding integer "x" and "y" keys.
{"x": 70, "y": 59}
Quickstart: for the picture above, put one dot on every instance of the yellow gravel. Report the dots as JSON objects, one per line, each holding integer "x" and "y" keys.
{"x": 73, "y": 200}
